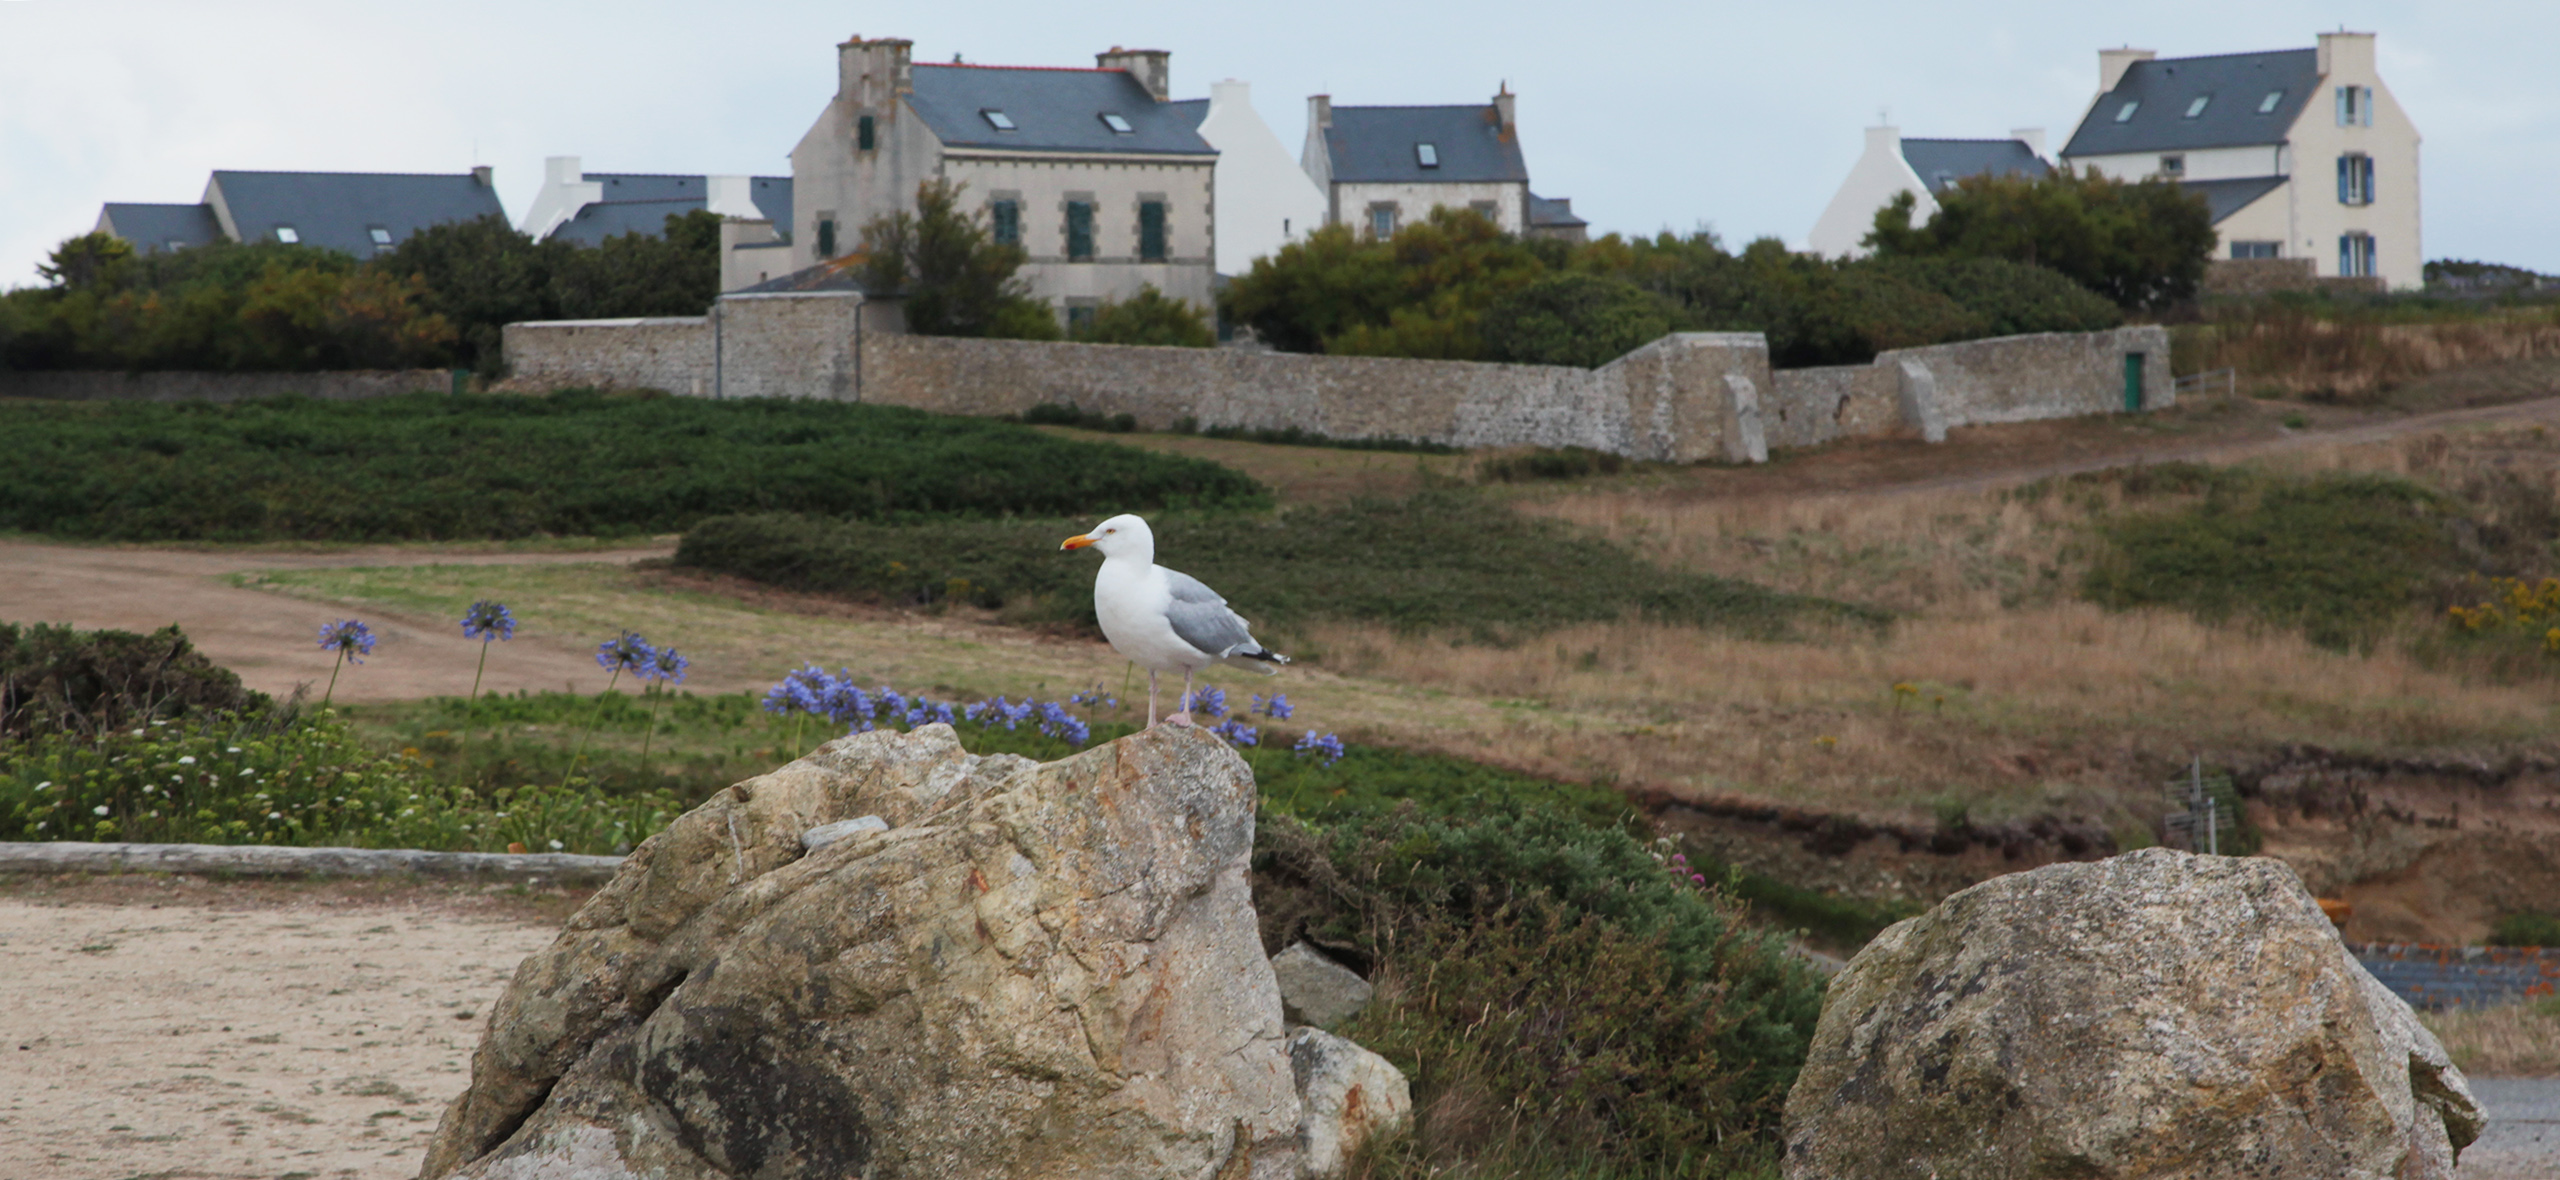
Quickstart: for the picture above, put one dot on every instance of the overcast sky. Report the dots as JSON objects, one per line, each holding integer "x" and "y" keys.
{"x": 1741, "y": 117}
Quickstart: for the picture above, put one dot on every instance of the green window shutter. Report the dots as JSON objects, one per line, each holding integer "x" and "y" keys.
{"x": 1151, "y": 231}
{"x": 862, "y": 134}
{"x": 1008, "y": 223}
{"x": 826, "y": 239}
{"x": 1080, "y": 231}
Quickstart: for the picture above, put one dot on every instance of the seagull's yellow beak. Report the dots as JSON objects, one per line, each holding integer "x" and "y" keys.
{"x": 1078, "y": 541}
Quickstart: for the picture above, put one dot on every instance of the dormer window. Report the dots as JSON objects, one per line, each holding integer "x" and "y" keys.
{"x": 2267, "y": 105}
{"x": 2173, "y": 167}
{"x": 998, "y": 119}
{"x": 2126, "y": 111}
{"x": 380, "y": 236}
{"x": 1427, "y": 154}
{"x": 287, "y": 235}
{"x": 2197, "y": 107}
{"x": 1118, "y": 125}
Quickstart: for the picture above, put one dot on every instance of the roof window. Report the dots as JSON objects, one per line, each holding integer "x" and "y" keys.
{"x": 1118, "y": 125}
{"x": 2126, "y": 111}
{"x": 2267, "y": 105}
{"x": 2197, "y": 107}
{"x": 380, "y": 236}
{"x": 1426, "y": 154}
{"x": 998, "y": 119}
{"x": 287, "y": 235}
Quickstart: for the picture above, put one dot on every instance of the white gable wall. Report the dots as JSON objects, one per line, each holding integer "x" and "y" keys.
{"x": 1264, "y": 200}
{"x": 2227, "y": 163}
{"x": 1879, "y": 175}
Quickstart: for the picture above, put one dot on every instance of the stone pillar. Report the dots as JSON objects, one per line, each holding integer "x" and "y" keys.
{"x": 1744, "y": 439}
{"x": 1919, "y": 394}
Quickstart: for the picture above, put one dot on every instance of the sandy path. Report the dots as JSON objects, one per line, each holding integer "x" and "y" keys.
{"x": 222, "y": 1032}
{"x": 272, "y": 640}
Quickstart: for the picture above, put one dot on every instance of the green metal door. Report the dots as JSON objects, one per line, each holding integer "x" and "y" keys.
{"x": 2133, "y": 383}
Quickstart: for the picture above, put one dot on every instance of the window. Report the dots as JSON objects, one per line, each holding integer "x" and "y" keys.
{"x": 1427, "y": 154}
{"x": 2267, "y": 105}
{"x": 2355, "y": 179}
{"x": 1487, "y": 210}
{"x": 2173, "y": 167}
{"x": 2256, "y": 249}
{"x": 287, "y": 235}
{"x": 998, "y": 119}
{"x": 1151, "y": 231}
{"x": 380, "y": 236}
{"x": 2197, "y": 107}
{"x": 2126, "y": 111}
{"x": 1118, "y": 125}
{"x": 2355, "y": 255}
{"x": 1943, "y": 181}
{"x": 1079, "y": 318}
{"x": 1005, "y": 217}
{"x": 864, "y": 136}
{"x": 175, "y": 244}
{"x": 1079, "y": 231}
{"x": 826, "y": 235}
{"x": 2355, "y": 106}
{"x": 1382, "y": 221}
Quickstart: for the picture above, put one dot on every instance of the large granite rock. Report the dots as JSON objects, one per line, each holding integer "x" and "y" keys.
{"x": 1348, "y": 1094}
{"x": 2158, "y": 1014}
{"x": 1041, "y": 970}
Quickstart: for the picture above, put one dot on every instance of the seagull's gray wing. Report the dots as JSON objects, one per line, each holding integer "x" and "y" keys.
{"x": 1201, "y": 618}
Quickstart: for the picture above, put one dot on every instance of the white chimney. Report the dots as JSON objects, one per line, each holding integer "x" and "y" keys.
{"x": 2033, "y": 137}
{"x": 2112, "y": 63}
{"x": 732, "y": 197}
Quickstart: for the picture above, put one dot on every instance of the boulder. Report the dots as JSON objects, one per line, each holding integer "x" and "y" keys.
{"x": 1316, "y": 990}
{"x": 1044, "y": 970}
{"x": 1348, "y": 1094}
{"x": 2157, "y": 1014}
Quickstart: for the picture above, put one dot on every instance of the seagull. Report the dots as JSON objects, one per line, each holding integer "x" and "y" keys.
{"x": 1163, "y": 619}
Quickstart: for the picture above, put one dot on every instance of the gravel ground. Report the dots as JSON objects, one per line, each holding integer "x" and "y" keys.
{"x": 2523, "y": 1140}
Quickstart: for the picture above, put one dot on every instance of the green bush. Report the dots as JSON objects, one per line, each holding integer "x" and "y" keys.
{"x": 1572, "y": 319}
{"x": 1147, "y": 317}
{"x": 2143, "y": 244}
{"x": 428, "y": 466}
{"x": 2009, "y": 298}
{"x": 2527, "y": 929}
{"x": 1549, "y": 987}
{"x": 55, "y": 679}
{"x": 952, "y": 276}
{"x": 1552, "y": 463}
{"x": 1438, "y": 560}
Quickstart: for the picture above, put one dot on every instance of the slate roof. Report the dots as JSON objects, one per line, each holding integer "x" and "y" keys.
{"x": 1942, "y": 162}
{"x": 2226, "y": 197}
{"x": 1053, "y": 110}
{"x": 160, "y": 227}
{"x": 834, "y": 275}
{"x": 334, "y": 210}
{"x": 1553, "y": 213}
{"x": 639, "y": 203}
{"x": 1370, "y": 145}
{"x": 2165, "y": 87}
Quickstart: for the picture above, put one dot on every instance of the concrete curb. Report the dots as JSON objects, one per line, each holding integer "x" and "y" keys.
{"x": 267, "y": 860}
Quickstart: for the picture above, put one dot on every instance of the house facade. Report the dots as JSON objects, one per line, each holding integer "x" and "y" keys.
{"x": 1892, "y": 165}
{"x": 1103, "y": 182}
{"x": 1382, "y": 167}
{"x": 2299, "y": 153}
{"x": 1262, "y": 199}
{"x": 358, "y": 213}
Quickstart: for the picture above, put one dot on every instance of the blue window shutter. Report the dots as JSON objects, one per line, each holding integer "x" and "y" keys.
{"x": 2367, "y": 161}
{"x": 2342, "y": 180}
{"x": 2364, "y": 107}
{"x": 2346, "y": 255}
{"x": 2343, "y": 107}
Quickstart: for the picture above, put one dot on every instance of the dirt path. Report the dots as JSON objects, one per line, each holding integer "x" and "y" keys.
{"x": 174, "y": 1029}
{"x": 272, "y": 640}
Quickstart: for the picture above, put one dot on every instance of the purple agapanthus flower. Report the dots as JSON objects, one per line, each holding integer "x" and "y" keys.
{"x": 1276, "y": 706}
{"x": 1327, "y": 747}
{"x": 348, "y": 638}
{"x": 1207, "y": 701}
{"x": 1096, "y": 698}
{"x": 1058, "y": 723}
{"x": 803, "y": 689}
{"x": 663, "y": 664}
{"x": 625, "y": 654}
{"x": 1237, "y": 733}
{"x": 488, "y": 619}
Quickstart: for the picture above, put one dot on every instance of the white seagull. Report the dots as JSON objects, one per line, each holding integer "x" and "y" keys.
{"x": 1163, "y": 619}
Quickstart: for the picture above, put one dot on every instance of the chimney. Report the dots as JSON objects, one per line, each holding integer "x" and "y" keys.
{"x": 2346, "y": 55}
{"x": 561, "y": 170}
{"x": 2033, "y": 137}
{"x": 1886, "y": 139}
{"x": 1153, "y": 68}
{"x": 1503, "y": 105}
{"x": 1320, "y": 111}
{"x": 480, "y": 175}
{"x": 873, "y": 73}
{"x": 2112, "y": 63}
{"x": 731, "y": 197}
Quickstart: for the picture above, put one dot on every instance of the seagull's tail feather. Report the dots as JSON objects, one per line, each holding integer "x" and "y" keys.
{"x": 1259, "y": 659}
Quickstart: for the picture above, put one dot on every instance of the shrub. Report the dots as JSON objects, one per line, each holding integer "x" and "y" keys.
{"x": 1148, "y": 317}
{"x": 2527, "y": 929}
{"x": 1552, "y": 463}
{"x": 2009, "y": 298}
{"x": 427, "y": 466}
{"x": 85, "y": 683}
{"x": 1572, "y": 319}
{"x": 954, "y": 278}
{"x": 2141, "y": 245}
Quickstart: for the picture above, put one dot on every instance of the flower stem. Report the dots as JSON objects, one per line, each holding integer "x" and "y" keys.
{"x": 467, "y": 720}
{"x": 333, "y": 680}
{"x": 660, "y": 699}
{"x": 592, "y": 720}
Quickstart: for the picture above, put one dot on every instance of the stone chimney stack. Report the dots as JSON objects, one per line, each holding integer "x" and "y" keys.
{"x": 2345, "y": 54}
{"x": 1320, "y": 112}
{"x": 1503, "y": 105}
{"x": 2033, "y": 137}
{"x": 1153, "y": 68}
{"x": 482, "y": 175}
{"x": 874, "y": 73}
{"x": 2112, "y": 63}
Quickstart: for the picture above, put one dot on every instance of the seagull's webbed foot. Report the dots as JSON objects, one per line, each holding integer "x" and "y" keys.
{"x": 1182, "y": 718}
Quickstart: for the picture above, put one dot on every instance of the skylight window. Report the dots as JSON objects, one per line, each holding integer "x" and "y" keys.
{"x": 1118, "y": 125}
{"x": 287, "y": 235}
{"x": 381, "y": 236}
{"x": 2267, "y": 105}
{"x": 2126, "y": 111}
{"x": 998, "y": 119}
{"x": 2197, "y": 107}
{"x": 1427, "y": 154}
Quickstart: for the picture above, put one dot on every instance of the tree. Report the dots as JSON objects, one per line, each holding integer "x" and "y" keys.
{"x": 85, "y": 260}
{"x": 1573, "y": 319}
{"x": 2142, "y": 245}
{"x": 481, "y": 275}
{"x": 634, "y": 274}
{"x": 956, "y": 279}
{"x": 1417, "y": 294}
{"x": 1149, "y": 317}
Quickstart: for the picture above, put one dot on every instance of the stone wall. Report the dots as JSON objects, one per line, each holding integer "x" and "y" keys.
{"x": 671, "y": 353}
{"x": 93, "y": 385}
{"x": 1814, "y": 406}
{"x": 2046, "y": 375}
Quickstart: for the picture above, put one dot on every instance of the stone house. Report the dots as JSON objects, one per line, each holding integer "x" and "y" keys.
{"x": 1106, "y": 184}
{"x": 585, "y": 207}
{"x": 1893, "y": 165}
{"x": 358, "y": 213}
{"x": 2243, "y": 128}
{"x": 1380, "y": 167}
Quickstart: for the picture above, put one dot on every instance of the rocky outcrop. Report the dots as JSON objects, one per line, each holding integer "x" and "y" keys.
{"x": 1348, "y": 1094}
{"x": 2159, "y": 1014}
{"x": 1036, "y": 969}
{"x": 1316, "y": 990}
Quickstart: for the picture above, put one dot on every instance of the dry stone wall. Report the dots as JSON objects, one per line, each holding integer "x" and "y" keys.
{"x": 672, "y": 353}
{"x": 83, "y": 385}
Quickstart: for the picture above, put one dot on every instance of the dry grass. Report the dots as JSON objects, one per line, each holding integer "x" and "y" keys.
{"x": 2512, "y": 1040}
{"x": 2360, "y": 359}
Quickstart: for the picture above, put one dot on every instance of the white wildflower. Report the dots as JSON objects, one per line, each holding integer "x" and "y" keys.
{"x": 557, "y": 846}
{"x": 101, "y": 809}
{"x": 186, "y": 759}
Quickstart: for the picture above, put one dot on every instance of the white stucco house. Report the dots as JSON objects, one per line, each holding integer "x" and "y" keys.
{"x": 1891, "y": 166}
{"x": 1263, "y": 200}
{"x": 2300, "y": 153}
{"x": 1103, "y": 181}
{"x": 1380, "y": 167}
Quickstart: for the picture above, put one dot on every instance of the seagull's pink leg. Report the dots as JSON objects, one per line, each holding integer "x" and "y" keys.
{"x": 1184, "y": 716}
{"x": 1151, "y": 698}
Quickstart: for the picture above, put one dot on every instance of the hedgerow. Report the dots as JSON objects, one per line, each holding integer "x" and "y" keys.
{"x": 432, "y": 467}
